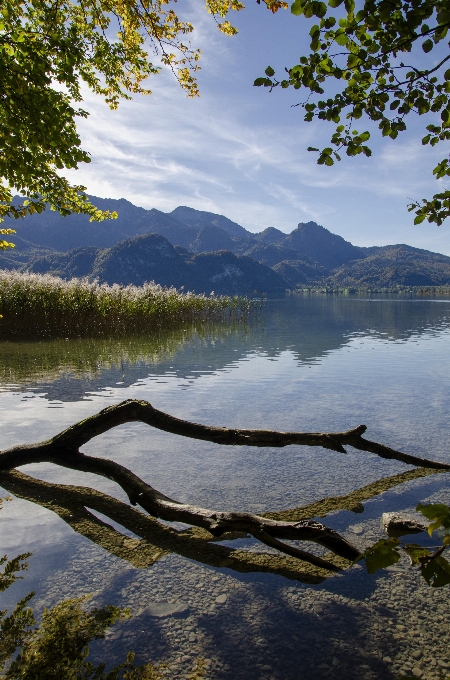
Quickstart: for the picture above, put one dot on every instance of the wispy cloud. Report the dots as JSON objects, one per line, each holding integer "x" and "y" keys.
{"x": 241, "y": 151}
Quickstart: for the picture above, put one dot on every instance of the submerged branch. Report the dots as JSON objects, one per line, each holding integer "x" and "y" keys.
{"x": 63, "y": 449}
{"x": 133, "y": 410}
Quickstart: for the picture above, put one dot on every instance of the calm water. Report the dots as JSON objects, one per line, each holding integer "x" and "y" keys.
{"x": 313, "y": 364}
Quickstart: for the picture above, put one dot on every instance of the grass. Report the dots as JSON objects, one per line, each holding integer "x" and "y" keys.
{"x": 43, "y": 305}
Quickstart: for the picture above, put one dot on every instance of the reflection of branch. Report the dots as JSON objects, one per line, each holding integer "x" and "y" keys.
{"x": 351, "y": 501}
{"x": 70, "y": 503}
{"x": 63, "y": 449}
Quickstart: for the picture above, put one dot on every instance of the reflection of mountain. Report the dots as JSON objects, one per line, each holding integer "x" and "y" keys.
{"x": 309, "y": 327}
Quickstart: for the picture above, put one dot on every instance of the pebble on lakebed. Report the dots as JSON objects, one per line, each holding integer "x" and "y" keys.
{"x": 261, "y": 626}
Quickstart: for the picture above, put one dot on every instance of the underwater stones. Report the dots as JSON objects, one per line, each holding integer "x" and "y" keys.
{"x": 160, "y": 610}
{"x": 397, "y": 524}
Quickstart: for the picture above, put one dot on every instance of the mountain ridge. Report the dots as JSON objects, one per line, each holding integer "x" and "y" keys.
{"x": 268, "y": 261}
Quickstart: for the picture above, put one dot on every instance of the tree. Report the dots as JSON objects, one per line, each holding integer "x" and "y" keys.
{"x": 362, "y": 54}
{"x": 49, "y": 51}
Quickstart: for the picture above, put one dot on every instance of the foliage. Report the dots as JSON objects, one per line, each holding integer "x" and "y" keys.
{"x": 36, "y": 303}
{"x": 433, "y": 566}
{"x": 358, "y": 54}
{"x": 59, "y": 646}
{"x": 49, "y": 51}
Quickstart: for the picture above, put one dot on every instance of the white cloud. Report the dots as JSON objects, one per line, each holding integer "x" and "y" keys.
{"x": 241, "y": 151}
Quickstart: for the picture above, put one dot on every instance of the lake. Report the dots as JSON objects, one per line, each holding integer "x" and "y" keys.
{"x": 305, "y": 363}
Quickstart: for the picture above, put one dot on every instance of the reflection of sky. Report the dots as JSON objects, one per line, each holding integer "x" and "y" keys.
{"x": 305, "y": 329}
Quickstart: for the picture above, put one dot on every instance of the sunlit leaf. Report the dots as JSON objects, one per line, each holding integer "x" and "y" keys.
{"x": 416, "y": 552}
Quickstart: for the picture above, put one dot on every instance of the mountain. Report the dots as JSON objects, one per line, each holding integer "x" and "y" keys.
{"x": 50, "y": 230}
{"x": 200, "y": 219}
{"x": 394, "y": 265}
{"x": 211, "y": 238}
{"x": 271, "y": 254}
{"x": 152, "y": 258}
{"x": 321, "y": 246}
{"x": 270, "y": 235}
{"x": 237, "y": 261}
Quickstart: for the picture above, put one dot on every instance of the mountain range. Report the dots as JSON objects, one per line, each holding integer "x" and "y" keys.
{"x": 206, "y": 252}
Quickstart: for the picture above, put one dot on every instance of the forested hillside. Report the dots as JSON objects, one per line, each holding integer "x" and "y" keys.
{"x": 206, "y": 252}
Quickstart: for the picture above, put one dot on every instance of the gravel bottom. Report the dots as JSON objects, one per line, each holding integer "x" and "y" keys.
{"x": 264, "y": 627}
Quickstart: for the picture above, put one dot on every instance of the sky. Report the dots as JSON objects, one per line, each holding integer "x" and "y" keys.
{"x": 241, "y": 151}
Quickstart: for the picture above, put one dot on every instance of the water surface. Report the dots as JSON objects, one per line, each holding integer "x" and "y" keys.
{"x": 323, "y": 363}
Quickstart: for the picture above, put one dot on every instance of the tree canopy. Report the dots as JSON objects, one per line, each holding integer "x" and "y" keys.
{"x": 371, "y": 61}
{"x": 49, "y": 50}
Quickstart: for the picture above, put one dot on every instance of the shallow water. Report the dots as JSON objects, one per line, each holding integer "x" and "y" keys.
{"x": 307, "y": 363}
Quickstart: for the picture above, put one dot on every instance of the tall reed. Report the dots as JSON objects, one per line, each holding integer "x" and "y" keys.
{"x": 44, "y": 305}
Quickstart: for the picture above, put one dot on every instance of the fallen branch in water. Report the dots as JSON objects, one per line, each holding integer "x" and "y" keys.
{"x": 133, "y": 410}
{"x": 74, "y": 505}
{"x": 63, "y": 449}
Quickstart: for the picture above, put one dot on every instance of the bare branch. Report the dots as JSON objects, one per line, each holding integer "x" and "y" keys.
{"x": 63, "y": 449}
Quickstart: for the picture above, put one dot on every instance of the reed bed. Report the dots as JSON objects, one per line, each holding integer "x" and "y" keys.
{"x": 41, "y": 305}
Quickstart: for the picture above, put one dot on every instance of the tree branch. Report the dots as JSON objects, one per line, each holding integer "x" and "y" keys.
{"x": 69, "y": 441}
{"x": 73, "y": 504}
{"x": 63, "y": 449}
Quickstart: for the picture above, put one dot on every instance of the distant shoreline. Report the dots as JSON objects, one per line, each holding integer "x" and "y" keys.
{"x": 397, "y": 290}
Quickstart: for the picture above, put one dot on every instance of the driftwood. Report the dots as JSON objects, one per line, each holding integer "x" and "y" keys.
{"x": 63, "y": 449}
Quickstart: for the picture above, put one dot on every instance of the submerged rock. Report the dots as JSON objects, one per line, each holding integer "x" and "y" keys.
{"x": 160, "y": 610}
{"x": 397, "y": 524}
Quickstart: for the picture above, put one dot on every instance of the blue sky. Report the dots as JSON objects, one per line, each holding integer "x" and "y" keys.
{"x": 241, "y": 151}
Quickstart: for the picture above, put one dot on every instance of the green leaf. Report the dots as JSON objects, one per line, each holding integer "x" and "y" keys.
{"x": 269, "y": 71}
{"x": 382, "y": 554}
{"x": 312, "y": 148}
{"x": 297, "y": 7}
{"x": 416, "y": 552}
{"x": 428, "y": 45}
{"x": 335, "y": 3}
{"x": 262, "y": 81}
{"x": 436, "y": 572}
{"x": 353, "y": 60}
{"x": 342, "y": 39}
{"x": 438, "y": 512}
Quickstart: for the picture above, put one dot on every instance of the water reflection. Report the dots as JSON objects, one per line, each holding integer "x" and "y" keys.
{"x": 311, "y": 327}
{"x": 317, "y": 363}
{"x": 74, "y": 505}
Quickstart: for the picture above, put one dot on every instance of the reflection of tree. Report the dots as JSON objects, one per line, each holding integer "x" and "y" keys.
{"x": 46, "y": 361}
{"x": 272, "y": 529}
{"x": 70, "y": 503}
{"x": 309, "y": 327}
{"x": 352, "y": 501}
